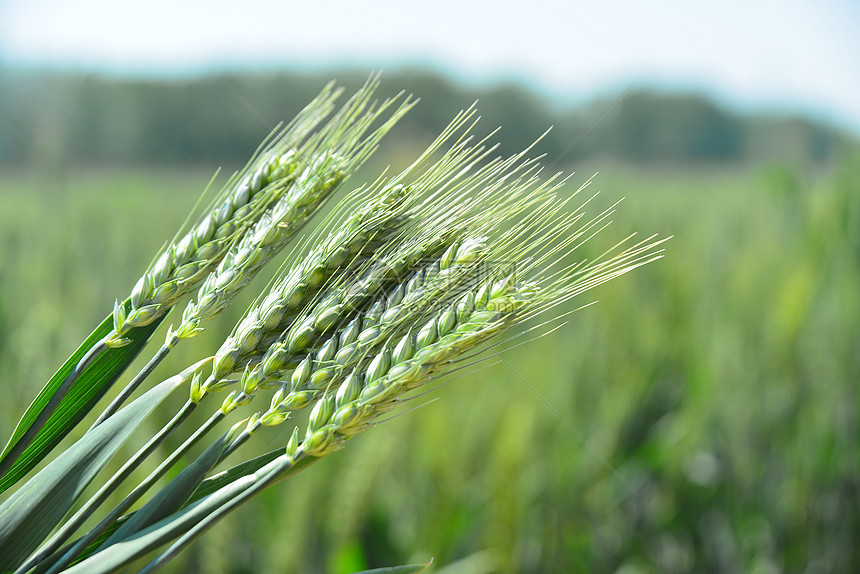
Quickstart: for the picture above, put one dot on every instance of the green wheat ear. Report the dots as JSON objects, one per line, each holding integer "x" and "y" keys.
{"x": 186, "y": 261}
{"x": 296, "y": 174}
{"x": 261, "y": 209}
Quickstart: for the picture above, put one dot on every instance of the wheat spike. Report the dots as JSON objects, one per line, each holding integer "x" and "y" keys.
{"x": 184, "y": 262}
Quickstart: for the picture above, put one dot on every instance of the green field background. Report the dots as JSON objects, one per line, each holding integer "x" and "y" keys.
{"x": 713, "y": 394}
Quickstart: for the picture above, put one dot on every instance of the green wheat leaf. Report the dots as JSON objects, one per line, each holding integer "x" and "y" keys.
{"x": 83, "y": 396}
{"x": 35, "y": 509}
{"x": 173, "y": 496}
{"x": 218, "y": 481}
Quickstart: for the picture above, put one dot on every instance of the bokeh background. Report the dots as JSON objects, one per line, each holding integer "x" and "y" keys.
{"x": 720, "y": 382}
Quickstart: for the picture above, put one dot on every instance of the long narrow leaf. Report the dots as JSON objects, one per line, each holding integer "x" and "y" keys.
{"x": 83, "y": 396}
{"x": 206, "y": 487}
{"x": 224, "y": 478}
{"x": 35, "y": 509}
{"x": 174, "y": 495}
{"x": 46, "y": 564}
{"x": 142, "y": 543}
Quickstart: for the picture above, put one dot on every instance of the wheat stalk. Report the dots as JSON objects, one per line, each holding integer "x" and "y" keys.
{"x": 382, "y": 213}
{"x": 495, "y": 185}
{"x": 354, "y": 403}
{"x": 348, "y": 402}
{"x": 407, "y": 281}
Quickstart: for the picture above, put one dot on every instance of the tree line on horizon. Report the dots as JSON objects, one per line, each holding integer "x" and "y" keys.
{"x": 60, "y": 119}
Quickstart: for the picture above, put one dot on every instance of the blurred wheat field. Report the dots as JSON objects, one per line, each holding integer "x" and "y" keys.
{"x": 719, "y": 382}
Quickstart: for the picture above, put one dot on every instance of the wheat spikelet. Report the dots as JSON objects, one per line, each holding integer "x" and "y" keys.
{"x": 349, "y": 389}
{"x": 186, "y": 261}
{"x": 351, "y": 404}
{"x": 337, "y": 152}
{"x": 387, "y": 205}
{"x": 259, "y": 209}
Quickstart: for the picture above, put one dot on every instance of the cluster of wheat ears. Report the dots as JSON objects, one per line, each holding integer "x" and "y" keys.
{"x": 409, "y": 278}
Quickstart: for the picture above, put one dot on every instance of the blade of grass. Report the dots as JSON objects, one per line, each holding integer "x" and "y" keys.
{"x": 34, "y": 510}
{"x": 81, "y": 398}
{"x": 217, "y": 481}
{"x": 53, "y": 402}
{"x": 72, "y": 524}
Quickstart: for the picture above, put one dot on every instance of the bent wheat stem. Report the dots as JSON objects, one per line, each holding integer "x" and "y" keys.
{"x": 141, "y": 376}
{"x": 135, "y": 494}
{"x": 108, "y": 488}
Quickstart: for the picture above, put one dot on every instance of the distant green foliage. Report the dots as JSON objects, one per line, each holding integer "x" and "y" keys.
{"x": 58, "y": 120}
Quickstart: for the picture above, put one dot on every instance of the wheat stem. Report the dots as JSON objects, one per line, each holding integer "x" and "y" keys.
{"x": 129, "y": 389}
{"x": 138, "y": 491}
{"x": 108, "y": 488}
{"x": 264, "y": 477}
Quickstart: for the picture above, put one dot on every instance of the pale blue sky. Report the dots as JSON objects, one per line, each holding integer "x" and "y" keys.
{"x": 778, "y": 55}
